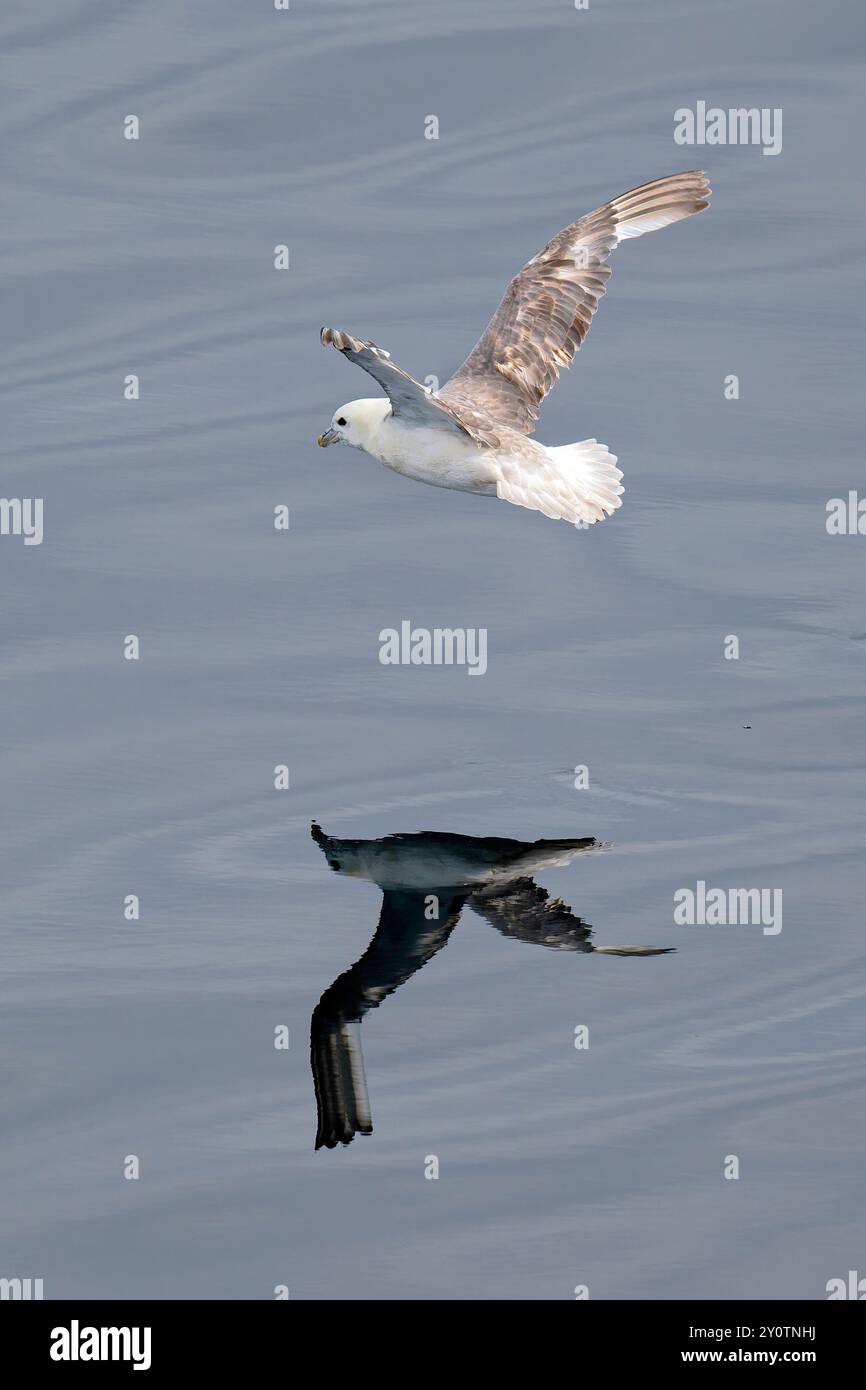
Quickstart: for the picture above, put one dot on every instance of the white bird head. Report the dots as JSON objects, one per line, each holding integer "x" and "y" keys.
{"x": 356, "y": 423}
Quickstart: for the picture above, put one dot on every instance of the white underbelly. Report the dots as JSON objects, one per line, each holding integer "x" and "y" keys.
{"x": 438, "y": 457}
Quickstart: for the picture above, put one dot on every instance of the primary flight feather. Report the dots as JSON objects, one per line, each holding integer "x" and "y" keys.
{"x": 473, "y": 434}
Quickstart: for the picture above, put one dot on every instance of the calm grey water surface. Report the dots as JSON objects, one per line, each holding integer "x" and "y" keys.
{"x": 557, "y": 1167}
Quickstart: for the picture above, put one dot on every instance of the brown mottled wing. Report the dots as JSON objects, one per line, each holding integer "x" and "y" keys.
{"x": 549, "y": 305}
{"x": 409, "y": 399}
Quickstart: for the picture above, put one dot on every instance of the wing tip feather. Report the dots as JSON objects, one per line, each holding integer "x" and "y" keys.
{"x": 343, "y": 342}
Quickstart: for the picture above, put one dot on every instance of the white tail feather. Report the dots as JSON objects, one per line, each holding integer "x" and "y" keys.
{"x": 579, "y": 483}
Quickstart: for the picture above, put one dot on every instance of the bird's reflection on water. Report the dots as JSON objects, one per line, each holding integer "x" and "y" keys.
{"x": 426, "y": 880}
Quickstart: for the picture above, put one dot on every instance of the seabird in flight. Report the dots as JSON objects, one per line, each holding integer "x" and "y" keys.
{"x": 473, "y": 434}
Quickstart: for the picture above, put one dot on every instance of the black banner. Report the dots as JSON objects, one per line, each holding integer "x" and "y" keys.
{"x": 218, "y": 1338}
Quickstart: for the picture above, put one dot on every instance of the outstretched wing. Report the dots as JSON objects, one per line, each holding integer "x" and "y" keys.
{"x": 524, "y": 910}
{"x": 549, "y": 305}
{"x": 405, "y": 940}
{"x": 410, "y": 400}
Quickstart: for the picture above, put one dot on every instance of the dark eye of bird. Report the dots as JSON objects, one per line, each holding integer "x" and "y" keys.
{"x": 341, "y": 421}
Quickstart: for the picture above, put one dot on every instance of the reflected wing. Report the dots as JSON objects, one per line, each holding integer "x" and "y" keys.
{"x": 410, "y": 400}
{"x": 405, "y": 940}
{"x": 547, "y": 309}
{"x": 526, "y": 911}
{"x": 339, "y": 1079}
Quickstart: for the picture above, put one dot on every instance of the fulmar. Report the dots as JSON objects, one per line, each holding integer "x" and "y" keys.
{"x": 427, "y": 879}
{"x": 472, "y": 434}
